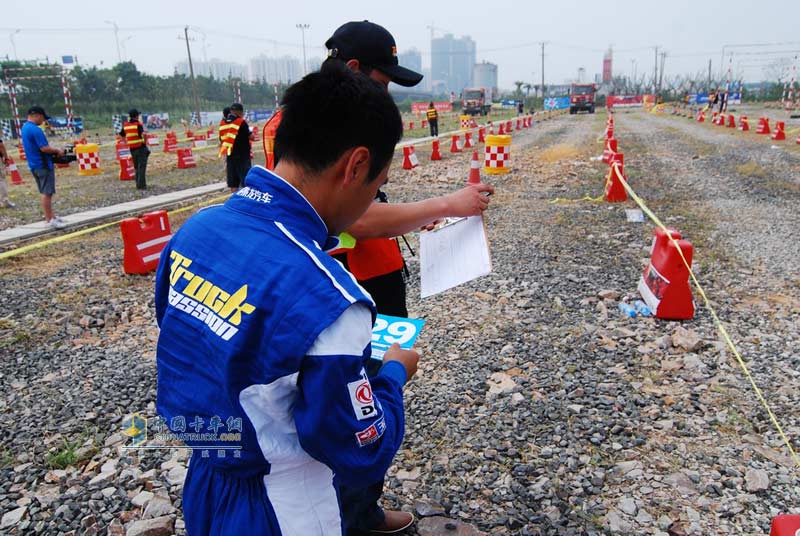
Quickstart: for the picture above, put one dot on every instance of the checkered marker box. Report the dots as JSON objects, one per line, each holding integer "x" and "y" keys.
{"x": 88, "y": 159}
{"x": 497, "y": 155}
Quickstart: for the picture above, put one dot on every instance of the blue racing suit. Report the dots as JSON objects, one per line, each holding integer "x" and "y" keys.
{"x": 261, "y": 359}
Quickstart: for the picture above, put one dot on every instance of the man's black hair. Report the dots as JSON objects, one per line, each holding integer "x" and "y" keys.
{"x": 333, "y": 110}
{"x": 237, "y": 107}
{"x": 226, "y": 111}
{"x": 362, "y": 67}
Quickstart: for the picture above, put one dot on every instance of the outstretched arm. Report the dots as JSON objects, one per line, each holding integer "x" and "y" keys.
{"x": 387, "y": 220}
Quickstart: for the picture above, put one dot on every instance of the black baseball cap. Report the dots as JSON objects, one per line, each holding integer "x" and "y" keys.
{"x": 371, "y": 45}
{"x": 38, "y": 110}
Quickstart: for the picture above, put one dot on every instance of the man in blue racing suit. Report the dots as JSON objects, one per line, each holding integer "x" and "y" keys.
{"x": 264, "y": 336}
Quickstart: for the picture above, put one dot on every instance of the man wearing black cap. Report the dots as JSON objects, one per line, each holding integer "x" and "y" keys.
{"x": 38, "y": 154}
{"x": 133, "y": 132}
{"x": 376, "y": 261}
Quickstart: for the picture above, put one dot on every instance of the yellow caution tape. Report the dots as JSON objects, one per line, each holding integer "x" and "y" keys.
{"x": 76, "y": 234}
{"x": 584, "y": 198}
{"x": 717, "y": 321}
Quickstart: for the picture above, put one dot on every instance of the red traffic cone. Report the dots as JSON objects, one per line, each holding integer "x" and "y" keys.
{"x": 455, "y": 146}
{"x": 491, "y": 128}
{"x": 474, "y": 169}
{"x": 410, "y": 160}
{"x": 731, "y": 121}
{"x": 21, "y": 150}
{"x": 468, "y": 140}
{"x": 424, "y": 123}
{"x": 744, "y": 125}
{"x": 779, "y": 133}
{"x": 798, "y": 140}
{"x": 16, "y": 178}
{"x": 502, "y": 130}
{"x": 614, "y": 190}
{"x": 610, "y": 150}
{"x": 126, "y": 170}
{"x": 701, "y": 117}
{"x": 508, "y": 126}
{"x": 763, "y": 126}
{"x": 518, "y": 125}
{"x": 435, "y": 154}
{"x": 481, "y": 135}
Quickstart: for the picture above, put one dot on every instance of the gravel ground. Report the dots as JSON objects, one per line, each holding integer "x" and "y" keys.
{"x": 538, "y": 409}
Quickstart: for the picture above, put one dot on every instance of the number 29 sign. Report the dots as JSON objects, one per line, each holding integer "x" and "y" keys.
{"x": 394, "y": 329}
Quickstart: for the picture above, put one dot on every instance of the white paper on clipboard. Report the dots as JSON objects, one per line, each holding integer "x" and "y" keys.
{"x": 452, "y": 255}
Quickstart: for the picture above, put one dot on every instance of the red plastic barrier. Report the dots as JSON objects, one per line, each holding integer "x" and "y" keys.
{"x": 143, "y": 239}
{"x": 664, "y": 285}
{"x": 126, "y": 170}
{"x": 185, "y": 158}
{"x": 122, "y": 149}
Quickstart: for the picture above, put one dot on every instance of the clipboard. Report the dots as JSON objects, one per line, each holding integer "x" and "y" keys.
{"x": 453, "y": 254}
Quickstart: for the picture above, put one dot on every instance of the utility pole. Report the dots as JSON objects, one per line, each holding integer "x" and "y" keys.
{"x": 543, "y": 92}
{"x": 13, "y": 44}
{"x": 661, "y": 74}
{"x": 116, "y": 37}
{"x": 191, "y": 74}
{"x": 709, "y": 74}
{"x": 655, "y": 71}
{"x": 303, "y": 28}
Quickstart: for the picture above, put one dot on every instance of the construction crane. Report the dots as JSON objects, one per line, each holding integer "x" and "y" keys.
{"x": 432, "y": 28}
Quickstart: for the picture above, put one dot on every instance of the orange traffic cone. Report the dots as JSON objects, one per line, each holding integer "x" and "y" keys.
{"x": 21, "y": 150}
{"x": 435, "y": 154}
{"x": 468, "y": 140}
{"x": 410, "y": 160}
{"x": 16, "y": 178}
{"x": 455, "y": 146}
{"x": 779, "y": 133}
{"x": 474, "y": 169}
{"x": 126, "y": 170}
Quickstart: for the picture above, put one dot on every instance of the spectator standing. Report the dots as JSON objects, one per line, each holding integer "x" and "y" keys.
{"x": 39, "y": 155}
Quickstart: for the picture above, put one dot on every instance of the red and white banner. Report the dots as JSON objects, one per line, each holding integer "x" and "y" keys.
{"x": 420, "y": 107}
{"x": 623, "y": 101}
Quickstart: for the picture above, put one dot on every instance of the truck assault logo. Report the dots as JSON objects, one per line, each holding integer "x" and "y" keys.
{"x": 219, "y": 310}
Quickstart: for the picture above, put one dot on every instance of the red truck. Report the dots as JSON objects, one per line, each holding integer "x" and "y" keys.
{"x": 581, "y": 97}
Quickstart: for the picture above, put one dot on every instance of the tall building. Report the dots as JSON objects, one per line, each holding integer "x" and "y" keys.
{"x": 452, "y": 61}
{"x": 411, "y": 58}
{"x": 484, "y": 74}
{"x": 285, "y": 69}
{"x": 221, "y": 70}
{"x": 607, "y": 66}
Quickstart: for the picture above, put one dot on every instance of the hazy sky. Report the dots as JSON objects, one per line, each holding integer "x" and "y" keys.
{"x": 507, "y": 33}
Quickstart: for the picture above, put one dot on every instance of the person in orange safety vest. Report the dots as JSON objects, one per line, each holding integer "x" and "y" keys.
{"x": 133, "y": 133}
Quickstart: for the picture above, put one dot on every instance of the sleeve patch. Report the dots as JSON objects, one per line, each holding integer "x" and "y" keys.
{"x": 371, "y": 434}
{"x": 361, "y": 398}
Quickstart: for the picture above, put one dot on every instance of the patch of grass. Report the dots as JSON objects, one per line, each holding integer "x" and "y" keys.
{"x": 64, "y": 457}
{"x": 6, "y": 457}
{"x": 751, "y": 169}
{"x": 557, "y": 153}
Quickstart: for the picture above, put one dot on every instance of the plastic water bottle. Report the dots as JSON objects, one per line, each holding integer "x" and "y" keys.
{"x": 627, "y": 310}
{"x": 642, "y": 308}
